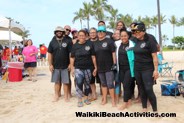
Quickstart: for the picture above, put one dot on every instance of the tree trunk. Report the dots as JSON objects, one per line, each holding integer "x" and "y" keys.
{"x": 81, "y": 23}
{"x": 88, "y": 22}
{"x": 159, "y": 27}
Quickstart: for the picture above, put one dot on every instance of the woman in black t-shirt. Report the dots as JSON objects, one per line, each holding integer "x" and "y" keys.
{"x": 82, "y": 61}
{"x": 146, "y": 65}
{"x": 106, "y": 60}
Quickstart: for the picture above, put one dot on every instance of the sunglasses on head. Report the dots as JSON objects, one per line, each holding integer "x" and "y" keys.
{"x": 68, "y": 30}
{"x": 101, "y": 31}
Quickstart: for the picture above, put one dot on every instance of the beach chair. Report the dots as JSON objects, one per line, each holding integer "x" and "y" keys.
{"x": 166, "y": 69}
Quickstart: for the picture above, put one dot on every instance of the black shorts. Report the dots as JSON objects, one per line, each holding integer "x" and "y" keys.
{"x": 43, "y": 56}
{"x": 30, "y": 64}
{"x": 95, "y": 78}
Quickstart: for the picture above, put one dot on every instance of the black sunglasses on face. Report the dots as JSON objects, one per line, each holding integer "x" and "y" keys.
{"x": 68, "y": 30}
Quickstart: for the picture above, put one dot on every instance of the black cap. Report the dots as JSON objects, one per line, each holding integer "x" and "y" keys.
{"x": 140, "y": 26}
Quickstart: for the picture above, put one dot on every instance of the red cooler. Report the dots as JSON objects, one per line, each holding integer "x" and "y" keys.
{"x": 15, "y": 71}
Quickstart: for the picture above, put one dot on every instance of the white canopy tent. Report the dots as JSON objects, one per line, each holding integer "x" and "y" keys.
{"x": 10, "y": 25}
{"x": 4, "y": 37}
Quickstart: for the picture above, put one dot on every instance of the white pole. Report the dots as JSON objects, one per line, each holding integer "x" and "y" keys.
{"x": 10, "y": 40}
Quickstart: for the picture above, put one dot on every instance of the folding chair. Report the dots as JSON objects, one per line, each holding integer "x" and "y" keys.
{"x": 166, "y": 69}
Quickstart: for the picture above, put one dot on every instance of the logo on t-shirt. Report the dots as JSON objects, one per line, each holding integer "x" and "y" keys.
{"x": 104, "y": 44}
{"x": 126, "y": 48}
{"x": 87, "y": 48}
{"x": 142, "y": 45}
{"x": 64, "y": 44}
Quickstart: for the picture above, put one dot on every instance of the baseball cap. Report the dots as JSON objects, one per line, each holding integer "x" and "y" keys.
{"x": 59, "y": 28}
{"x": 73, "y": 30}
{"x": 140, "y": 27}
{"x": 101, "y": 28}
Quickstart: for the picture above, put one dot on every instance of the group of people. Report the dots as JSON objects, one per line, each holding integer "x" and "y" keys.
{"x": 97, "y": 55}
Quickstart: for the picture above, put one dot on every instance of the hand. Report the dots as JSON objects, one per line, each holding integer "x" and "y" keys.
{"x": 69, "y": 68}
{"x": 155, "y": 75}
{"x": 72, "y": 72}
{"x": 114, "y": 67}
{"x": 51, "y": 68}
{"x": 95, "y": 72}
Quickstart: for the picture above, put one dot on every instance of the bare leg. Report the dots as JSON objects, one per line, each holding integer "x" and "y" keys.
{"x": 59, "y": 93}
{"x": 93, "y": 89}
{"x": 117, "y": 98}
{"x": 69, "y": 90}
{"x": 66, "y": 92}
{"x": 111, "y": 92}
{"x": 34, "y": 74}
{"x": 30, "y": 73}
{"x": 104, "y": 95}
{"x": 57, "y": 88}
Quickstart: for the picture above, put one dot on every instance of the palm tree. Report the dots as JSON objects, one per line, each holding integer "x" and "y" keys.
{"x": 164, "y": 38}
{"x": 87, "y": 11}
{"x": 25, "y": 34}
{"x": 147, "y": 21}
{"x": 111, "y": 24}
{"x": 127, "y": 19}
{"x": 162, "y": 19}
{"x": 113, "y": 16}
{"x": 139, "y": 19}
{"x": 99, "y": 7}
{"x": 173, "y": 21}
{"x": 154, "y": 23}
{"x": 181, "y": 22}
{"x": 79, "y": 16}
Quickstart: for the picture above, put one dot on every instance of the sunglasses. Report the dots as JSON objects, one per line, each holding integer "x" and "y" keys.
{"x": 68, "y": 30}
{"x": 135, "y": 31}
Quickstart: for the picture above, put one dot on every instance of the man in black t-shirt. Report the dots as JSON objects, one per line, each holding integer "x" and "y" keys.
{"x": 106, "y": 60}
{"x": 58, "y": 57}
{"x": 146, "y": 65}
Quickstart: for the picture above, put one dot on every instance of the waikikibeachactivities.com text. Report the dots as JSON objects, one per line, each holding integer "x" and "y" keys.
{"x": 123, "y": 114}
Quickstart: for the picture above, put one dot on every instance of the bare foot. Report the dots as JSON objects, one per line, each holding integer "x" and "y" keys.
{"x": 70, "y": 96}
{"x": 125, "y": 105}
{"x": 138, "y": 100}
{"x": 113, "y": 104}
{"x": 67, "y": 100}
{"x": 56, "y": 98}
{"x": 129, "y": 103}
{"x": 145, "y": 110}
{"x": 103, "y": 102}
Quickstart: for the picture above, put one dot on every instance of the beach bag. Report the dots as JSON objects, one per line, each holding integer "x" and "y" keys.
{"x": 170, "y": 89}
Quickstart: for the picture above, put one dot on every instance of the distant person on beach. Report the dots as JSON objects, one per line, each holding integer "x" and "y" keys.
{"x": 30, "y": 63}
{"x": 58, "y": 58}
{"x": 83, "y": 65}
{"x": 106, "y": 64}
{"x": 43, "y": 53}
{"x": 146, "y": 65}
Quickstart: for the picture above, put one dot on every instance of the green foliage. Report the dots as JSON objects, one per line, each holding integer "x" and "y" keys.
{"x": 179, "y": 40}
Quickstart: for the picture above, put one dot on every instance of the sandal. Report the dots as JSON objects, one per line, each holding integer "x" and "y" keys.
{"x": 80, "y": 104}
{"x": 87, "y": 102}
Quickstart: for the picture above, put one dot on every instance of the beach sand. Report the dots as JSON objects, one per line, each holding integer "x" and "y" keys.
{"x": 31, "y": 102}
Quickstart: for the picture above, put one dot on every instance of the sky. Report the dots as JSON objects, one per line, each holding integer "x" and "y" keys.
{"x": 41, "y": 17}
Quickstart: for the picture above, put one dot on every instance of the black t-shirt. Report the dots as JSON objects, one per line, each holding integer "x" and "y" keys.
{"x": 122, "y": 55}
{"x": 109, "y": 35}
{"x": 104, "y": 50}
{"x": 82, "y": 54}
{"x": 60, "y": 51}
{"x": 143, "y": 53}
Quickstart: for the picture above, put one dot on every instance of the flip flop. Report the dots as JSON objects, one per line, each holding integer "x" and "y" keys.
{"x": 80, "y": 104}
{"x": 87, "y": 102}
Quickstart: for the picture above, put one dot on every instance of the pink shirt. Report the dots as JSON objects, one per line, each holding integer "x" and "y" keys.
{"x": 27, "y": 51}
